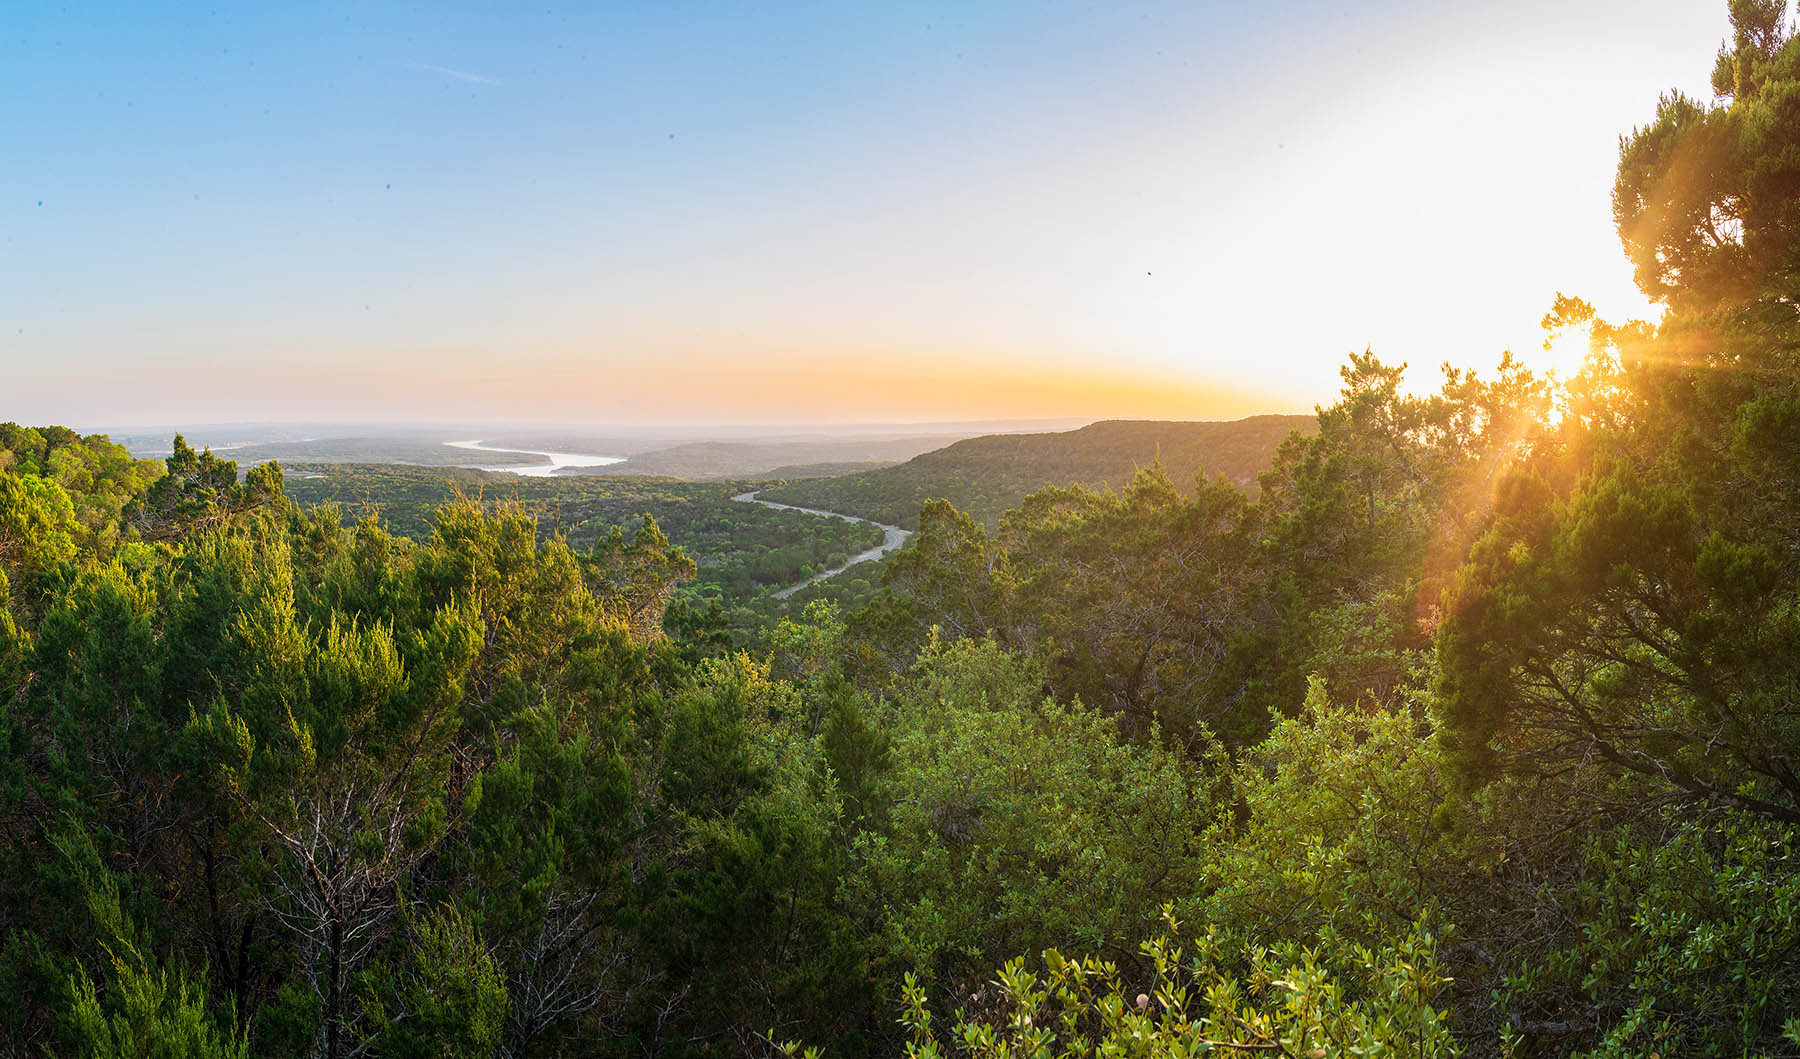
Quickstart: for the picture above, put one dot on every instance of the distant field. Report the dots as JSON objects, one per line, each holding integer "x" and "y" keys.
{"x": 694, "y": 460}
{"x": 375, "y": 451}
{"x": 764, "y": 459}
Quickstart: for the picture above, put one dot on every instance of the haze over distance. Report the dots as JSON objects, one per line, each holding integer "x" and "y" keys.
{"x": 631, "y": 218}
{"x": 555, "y": 450}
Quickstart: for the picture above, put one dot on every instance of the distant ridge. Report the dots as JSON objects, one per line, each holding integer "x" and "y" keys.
{"x": 986, "y": 476}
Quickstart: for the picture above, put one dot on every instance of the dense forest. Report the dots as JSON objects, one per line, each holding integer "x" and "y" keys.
{"x": 1475, "y": 731}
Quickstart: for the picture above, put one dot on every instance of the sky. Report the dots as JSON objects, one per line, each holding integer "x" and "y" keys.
{"x": 637, "y": 213}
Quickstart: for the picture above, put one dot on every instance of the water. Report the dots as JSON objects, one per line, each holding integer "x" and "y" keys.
{"x": 558, "y": 460}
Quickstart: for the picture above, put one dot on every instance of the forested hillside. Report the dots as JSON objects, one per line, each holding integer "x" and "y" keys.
{"x": 989, "y": 475}
{"x": 1474, "y": 731}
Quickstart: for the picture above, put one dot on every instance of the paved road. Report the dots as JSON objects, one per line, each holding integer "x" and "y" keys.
{"x": 895, "y": 538}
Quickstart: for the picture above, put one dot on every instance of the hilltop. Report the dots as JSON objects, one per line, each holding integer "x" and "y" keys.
{"x": 987, "y": 475}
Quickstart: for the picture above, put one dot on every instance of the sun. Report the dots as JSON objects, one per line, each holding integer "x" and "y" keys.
{"x": 1563, "y": 353}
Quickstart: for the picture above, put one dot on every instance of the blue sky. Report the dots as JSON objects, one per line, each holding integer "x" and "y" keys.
{"x": 644, "y": 213}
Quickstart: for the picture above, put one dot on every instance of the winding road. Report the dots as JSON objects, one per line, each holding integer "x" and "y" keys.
{"x": 559, "y": 460}
{"x": 895, "y": 538}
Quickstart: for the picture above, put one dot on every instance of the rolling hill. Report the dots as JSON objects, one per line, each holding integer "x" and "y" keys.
{"x": 986, "y": 476}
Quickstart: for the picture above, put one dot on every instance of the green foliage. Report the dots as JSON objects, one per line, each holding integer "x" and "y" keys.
{"x": 1207, "y": 610}
{"x": 100, "y": 478}
{"x": 200, "y": 490}
{"x": 1471, "y": 719}
{"x": 1685, "y": 943}
{"x": 742, "y": 550}
{"x": 451, "y": 1001}
{"x": 954, "y": 573}
{"x": 38, "y": 532}
{"x": 154, "y": 1014}
{"x": 1285, "y": 1003}
{"x": 1148, "y": 600}
{"x": 1707, "y": 199}
{"x": 1363, "y": 517}
{"x": 1334, "y": 830}
{"x": 149, "y": 1011}
{"x": 1023, "y": 823}
{"x": 1630, "y": 602}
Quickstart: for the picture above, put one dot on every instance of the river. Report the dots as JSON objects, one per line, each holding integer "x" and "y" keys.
{"x": 895, "y": 538}
{"x": 558, "y": 460}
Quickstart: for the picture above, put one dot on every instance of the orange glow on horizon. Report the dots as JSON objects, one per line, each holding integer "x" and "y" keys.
{"x": 804, "y": 387}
